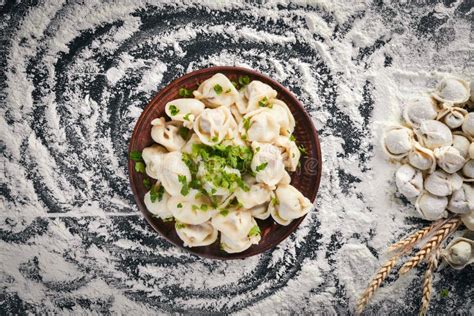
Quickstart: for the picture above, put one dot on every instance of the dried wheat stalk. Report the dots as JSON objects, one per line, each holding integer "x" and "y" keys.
{"x": 433, "y": 243}
{"x": 414, "y": 238}
{"x": 428, "y": 282}
{"x": 375, "y": 283}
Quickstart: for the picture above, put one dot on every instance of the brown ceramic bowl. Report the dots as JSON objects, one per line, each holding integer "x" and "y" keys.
{"x": 306, "y": 178}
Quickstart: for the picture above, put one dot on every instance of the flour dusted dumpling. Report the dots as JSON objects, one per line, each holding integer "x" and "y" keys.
{"x": 422, "y": 158}
{"x": 290, "y": 153}
{"x": 468, "y": 126}
{"x": 420, "y": 109}
{"x": 290, "y": 204}
{"x": 441, "y": 183}
{"x": 256, "y": 94}
{"x": 184, "y": 110}
{"x": 217, "y": 91}
{"x": 468, "y": 220}
{"x": 468, "y": 170}
{"x": 409, "y": 181}
{"x": 260, "y": 125}
{"x": 267, "y": 164}
{"x": 452, "y": 90}
{"x": 398, "y": 141}
{"x": 433, "y": 134}
{"x": 213, "y": 125}
{"x": 449, "y": 159}
{"x": 167, "y": 134}
{"x": 173, "y": 172}
{"x": 196, "y": 235}
{"x": 236, "y": 225}
{"x": 152, "y": 157}
{"x": 189, "y": 209}
{"x": 453, "y": 117}
{"x": 284, "y": 117}
{"x": 431, "y": 207}
{"x": 462, "y": 200}
{"x": 462, "y": 144}
{"x": 230, "y": 245}
{"x": 158, "y": 206}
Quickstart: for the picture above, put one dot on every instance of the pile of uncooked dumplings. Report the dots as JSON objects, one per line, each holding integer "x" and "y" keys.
{"x": 221, "y": 162}
{"x": 436, "y": 148}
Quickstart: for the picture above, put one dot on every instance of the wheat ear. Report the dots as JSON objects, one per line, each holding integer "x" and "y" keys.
{"x": 414, "y": 238}
{"x": 428, "y": 282}
{"x": 375, "y": 283}
{"x": 433, "y": 243}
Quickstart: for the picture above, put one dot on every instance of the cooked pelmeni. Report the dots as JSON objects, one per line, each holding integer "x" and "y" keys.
{"x": 409, "y": 181}
{"x": 172, "y": 172}
{"x": 257, "y": 194}
{"x": 289, "y": 151}
{"x": 468, "y": 170}
{"x": 397, "y": 141}
{"x": 462, "y": 200}
{"x": 461, "y": 143}
{"x": 433, "y": 134}
{"x": 230, "y": 245}
{"x": 196, "y": 235}
{"x": 452, "y": 90}
{"x": 453, "y": 117}
{"x": 190, "y": 211}
{"x": 267, "y": 163}
{"x": 261, "y": 211}
{"x": 184, "y": 110}
{"x": 468, "y": 126}
{"x": 422, "y": 158}
{"x": 468, "y": 220}
{"x": 449, "y": 159}
{"x": 431, "y": 207}
{"x": 441, "y": 183}
{"x": 471, "y": 150}
{"x": 256, "y": 94}
{"x": 290, "y": 204}
{"x": 208, "y": 181}
{"x": 188, "y": 147}
{"x": 459, "y": 253}
{"x": 236, "y": 224}
{"x": 213, "y": 125}
{"x": 158, "y": 206}
{"x": 167, "y": 134}
{"x": 261, "y": 125}
{"x": 420, "y": 109}
{"x": 217, "y": 91}
{"x": 284, "y": 116}
{"x": 235, "y": 113}
{"x": 152, "y": 157}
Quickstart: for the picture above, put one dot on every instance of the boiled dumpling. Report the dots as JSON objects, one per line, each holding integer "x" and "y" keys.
{"x": 159, "y": 206}
{"x": 189, "y": 209}
{"x": 284, "y": 117}
{"x": 235, "y": 225}
{"x": 167, "y": 134}
{"x": 152, "y": 157}
{"x": 261, "y": 125}
{"x": 230, "y": 245}
{"x": 256, "y": 94}
{"x": 213, "y": 125}
{"x": 173, "y": 172}
{"x": 217, "y": 91}
{"x": 184, "y": 110}
{"x": 196, "y": 235}
{"x": 267, "y": 164}
{"x": 452, "y": 90}
{"x": 289, "y": 151}
{"x": 257, "y": 194}
{"x": 210, "y": 186}
{"x": 433, "y": 134}
{"x": 290, "y": 204}
{"x": 188, "y": 147}
{"x": 419, "y": 110}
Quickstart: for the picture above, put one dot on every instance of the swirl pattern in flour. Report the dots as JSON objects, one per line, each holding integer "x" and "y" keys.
{"x": 77, "y": 76}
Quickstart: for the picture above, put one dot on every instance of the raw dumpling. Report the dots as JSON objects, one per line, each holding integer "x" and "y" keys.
{"x": 230, "y": 245}
{"x": 261, "y": 125}
{"x": 433, "y": 134}
{"x": 184, "y": 110}
{"x": 449, "y": 159}
{"x": 189, "y": 210}
{"x": 256, "y": 94}
{"x": 196, "y": 235}
{"x": 217, "y": 91}
{"x": 422, "y": 158}
{"x": 462, "y": 200}
{"x": 453, "y": 117}
{"x": 213, "y": 125}
{"x": 452, "y": 90}
{"x": 173, "y": 172}
{"x": 441, "y": 183}
{"x": 398, "y": 141}
{"x": 462, "y": 144}
{"x": 468, "y": 170}
{"x": 468, "y": 126}
{"x": 409, "y": 181}
{"x": 235, "y": 225}
{"x": 152, "y": 157}
{"x": 290, "y": 204}
{"x": 159, "y": 206}
{"x": 431, "y": 207}
{"x": 289, "y": 151}
{"x": 267, "y": 163}
{"x": 167, "y": 134}
{"x": 284, "y": 117}
{"x": 419, "y": 110}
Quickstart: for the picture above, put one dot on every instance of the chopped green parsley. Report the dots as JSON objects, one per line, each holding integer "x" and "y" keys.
{"x": 173, "y": 110}
{"x": 218, "y": 89}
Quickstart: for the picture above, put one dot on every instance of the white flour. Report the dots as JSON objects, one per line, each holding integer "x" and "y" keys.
{"x": 65, "y": 146}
